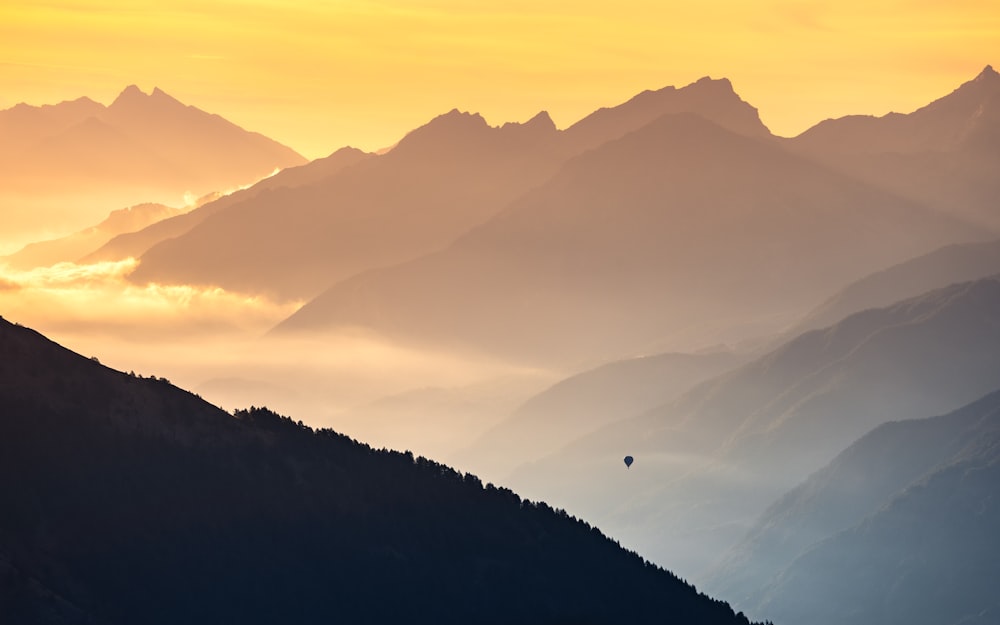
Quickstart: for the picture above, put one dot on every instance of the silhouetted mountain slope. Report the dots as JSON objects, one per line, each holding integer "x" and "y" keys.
{"x": 128, "y": 500}
{"x": 941, "y": 126}
{"x": 135, "y": 244}
{"x": 945, "y": 154}
{"x": 587, "y": 401}
{"x": 141, "y": 148}
{"x": 902, "y": 523}
{"x": 126, "y": 142}
{"x": 196, "y": 140}
{"x": 856, "y": 484}
{"x": 23, "y": 125}
{"x": 441, "y": 180}
{"x": 948, "y": 265}
{"x": 709, "y": 463}
{"x": 714, "y": 100}
{"x": 667, "y": 235}
{"x": 72, "y": 247}
{"x": 437, "y": 421}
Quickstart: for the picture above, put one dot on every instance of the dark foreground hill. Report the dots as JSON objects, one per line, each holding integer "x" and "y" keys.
{"x": 127, "y": 500}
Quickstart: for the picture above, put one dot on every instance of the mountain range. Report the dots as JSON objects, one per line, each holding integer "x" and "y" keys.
{"x": 440, "y": 181}
{"x": 708, "y": 463}
{"x": 688, "y": 222}
{"x": 142, "y": 140}
{"x": 73, "y": 247}
{"x": 129, "y": 500}
{"x": 135, "y": 243}
{"x": 902, "y": 522}
{"x": 940, "y": 268}
{"x": 670, "y": 234}
{"x": 65, "y": 165}
{"x": 663, "y": 258}
{"x": 944, "y": 154}
{"x": 588, "y": 401}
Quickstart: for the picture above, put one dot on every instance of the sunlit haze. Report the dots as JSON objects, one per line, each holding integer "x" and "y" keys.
{"x": 319, "y": 75}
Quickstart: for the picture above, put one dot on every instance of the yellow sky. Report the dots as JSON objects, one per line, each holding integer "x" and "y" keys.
{"x": 320, "y": 74}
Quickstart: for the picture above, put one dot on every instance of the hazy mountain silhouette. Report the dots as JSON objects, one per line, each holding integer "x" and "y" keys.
{"x": 944, "y": 266}
{"x": 903, "y": 522}
{"x": 436, "y": 421}
{"x": 714, "y": 100}
{"x": 135, "y": 244}
{"x": 587, "y": 401}
{"x": 955, "y": 120}
{"x": 672, "y": 234}
{"x": 24, "y": 125}
{"x": 128, "y": 500}
{"x": 710, "y": 462}
{"x": 62, "y": 165}
{"x": 140, "y": 139}
{"x": 945, "y": 154}
{"x": 441, "y": 180}
{"x": 72, "y": 247}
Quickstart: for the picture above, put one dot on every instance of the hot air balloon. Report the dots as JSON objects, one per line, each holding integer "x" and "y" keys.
{"x": 628, "y": 461}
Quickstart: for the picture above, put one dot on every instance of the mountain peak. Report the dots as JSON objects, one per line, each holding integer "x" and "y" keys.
{"x": 134, "y": 96}
{"x": 131, "y": 93}
{"x": 541, "y": 119}
{"x": 713, "y": 99}
{"x": 160, "y": 94}
{"x": 724, "y": 84}
{"x": 988, "y": 73}
{"x": 541, "y": 123}
{"x": 450, "y": 129}
{"x": 465, "y": 115}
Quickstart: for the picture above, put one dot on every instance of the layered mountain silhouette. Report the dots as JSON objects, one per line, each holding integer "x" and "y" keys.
{"x": 437, "y": 421}
{"x": 670, "y": 234}
{"x": 707, "y": 464}
{"x": 902, "y": 522}
{"x": 440, "y": 181}
{"x": 586, "y": 402}
{"x": 945, "y": 154}
{"x": 714, "y": 100}
{"x": 78, "y": 244}
{"x": 129, "y": 500}
{"x": 944, "y": 266}
{"x": 135, "y": 244}
{"x": 65, "y": 165}
{"x": 145, "y": 140}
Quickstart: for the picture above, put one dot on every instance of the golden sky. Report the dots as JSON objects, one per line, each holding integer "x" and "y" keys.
{"x": 320, "y": 74}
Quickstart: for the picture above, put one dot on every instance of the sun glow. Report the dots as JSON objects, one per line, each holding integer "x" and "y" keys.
{"x": 97, "y": 296}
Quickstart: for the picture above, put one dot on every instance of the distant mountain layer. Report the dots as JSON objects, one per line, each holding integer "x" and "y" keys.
{"x": 709, "y": 463}
{"x": 140, "y": 141}
{"x": 588, "y": 401}
{"x": 903, "y": 523}
{"x": 128, "y": 500}
{"x": 940, "y": 268}
{"x": 440, "y": 181}
{"x": 135, "y": 244}
{"x": 669, "y": 234}
{"x": 946, "y": 154}
{"x": 71, "y": 248}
